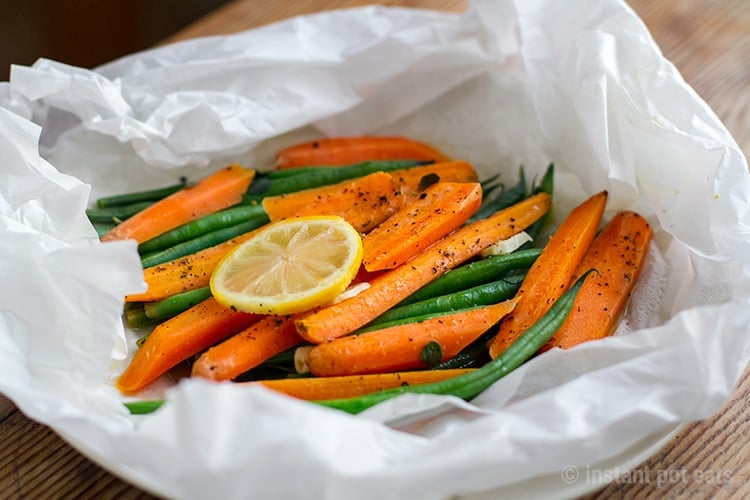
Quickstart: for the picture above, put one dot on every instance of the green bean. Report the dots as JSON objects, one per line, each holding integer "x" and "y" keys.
{"x": 474, "y": 355}
{"x": 488, "y": 189}
{"x": 464, "y": 386}
{"x": 130, "y": 198}
{"x": 279, "y": 366}
{"x": 490, "y": 181}
{"x": 135, "y": 316}
{"x": 206, "y": 224}
{"x": 143, "y": 407}
{"x": 418, "y": 318}
{"x": 482, "y": 295}
{"x": 431, "y": 354}
{"x": 547, "y": 185}
{"x": 473, "y": 274}
{"x": 202, "y": 242}
{"x": 103, "y": 228}
{"x": 366, "y": 166}
{"x": 140, "y": 340}
{"x": 177, "y": 303}
{"x": 267, "y": 185}
{"x": 290, "y": 172}
{"x": 283, "y": 358}
{"x": 505, "y": 199}
{"x": 469, "y": 385}
{"x": 116, "y": 214}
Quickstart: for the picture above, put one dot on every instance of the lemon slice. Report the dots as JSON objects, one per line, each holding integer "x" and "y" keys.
{"x": 289, "y": 266}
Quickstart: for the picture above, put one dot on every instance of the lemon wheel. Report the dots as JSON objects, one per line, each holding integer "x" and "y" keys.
{"x": 289, "y": 266}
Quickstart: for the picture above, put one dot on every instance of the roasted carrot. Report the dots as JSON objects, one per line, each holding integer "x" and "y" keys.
{"x": 247, "y": 349}
{"x": 320, "y": 388}
{"x": 184, "y": 274}
{"x": 443, "y": 207}
{"x": 194, "y": 271}
{"x": 349, "y": 150}
{"x": 550, "y": 275}
{"x": 391, "y": 287}
{"x": 364, "y": 202}
{"x": 403, "y": 347}
{"x": 617, "y": 254}
{"x": 179, "y": 338}
{"x": 217, "y": 191}
{"x": 411, "y": 180}
{"x": 465, "y": 386}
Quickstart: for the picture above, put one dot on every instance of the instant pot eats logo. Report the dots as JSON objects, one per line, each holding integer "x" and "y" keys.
{"x": 660, "y": 477}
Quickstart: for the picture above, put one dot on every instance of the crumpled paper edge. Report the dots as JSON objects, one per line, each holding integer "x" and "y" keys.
{"x": 300, "y": 87}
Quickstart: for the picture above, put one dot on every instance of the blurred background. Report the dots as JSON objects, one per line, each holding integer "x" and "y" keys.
{"x": 89, "y": 32}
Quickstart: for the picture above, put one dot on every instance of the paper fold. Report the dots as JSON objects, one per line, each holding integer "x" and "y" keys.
{"x": 175, "y": 108}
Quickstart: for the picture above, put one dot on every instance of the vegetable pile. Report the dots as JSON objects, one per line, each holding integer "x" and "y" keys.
{"x": 454, "y": 288}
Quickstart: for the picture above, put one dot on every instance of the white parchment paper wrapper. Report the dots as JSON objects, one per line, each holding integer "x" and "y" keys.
{"x": 579, "y": 83}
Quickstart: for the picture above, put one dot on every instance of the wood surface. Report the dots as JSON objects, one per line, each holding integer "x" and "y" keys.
{"x": 709, "y": 42}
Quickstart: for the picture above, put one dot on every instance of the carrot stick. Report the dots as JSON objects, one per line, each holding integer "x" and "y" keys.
{"x": 179, "y": 338}
{"x": 194, "y": 271}
{"x": 320, "y": 388}
{"x": 391, "y": 287}
{"x": 617, "y": 253}
{"x": 247, "y": 349}
{"x": 550, "y": 275}
{"x": 364, "y": 202}
{"x": 184, "y": 274}
{"x": 410, "y": 180}
{"x": 349, "y": 150}
{"x": 219, "y": 190}
{"x": 443, "y": 207}
{"x": 402, "y": 347}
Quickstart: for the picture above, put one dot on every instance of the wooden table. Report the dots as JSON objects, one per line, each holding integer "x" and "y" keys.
{"x": 709, "y": 41}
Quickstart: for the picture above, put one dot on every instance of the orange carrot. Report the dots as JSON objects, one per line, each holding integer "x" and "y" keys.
{"x": 219, "y": 190}
{"x": 401, "y": 347}
{"x": 410, "y": 179}
{"x": 349, "y": 150}
{"x": 247, "y": 349}
{"x": 390, "y": 287}
{"x": 194, "y": 271}
{"x": 550, "y": 275}
{"x": 364, "y": 202}
{"x": 443, "y": 207}
{"x": 184, "y": 274}
{"x": 179, "y": 338}
{"x": 319, "y": 388}
{"x": 617, "y": 253}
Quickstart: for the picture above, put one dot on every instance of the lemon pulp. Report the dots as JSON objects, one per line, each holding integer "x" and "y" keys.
{"x": 289, "y": 266}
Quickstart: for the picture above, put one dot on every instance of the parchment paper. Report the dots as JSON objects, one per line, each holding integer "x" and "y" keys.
{"x": 578, "y": 83}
